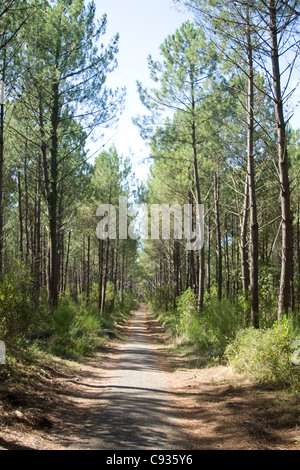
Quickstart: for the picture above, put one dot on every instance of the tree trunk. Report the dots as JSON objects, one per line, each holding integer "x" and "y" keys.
{"x": 227, "y": 278}
{"x": 60, "y": 240}
{"x": 122, "y": 277}
{"x": 202, "y": 254}
{"x": 2, "y": 165}
{"x": 298, "y": 255}
{"x": 67, "y": 262}
{"x": 88, "y": 269}
{"x": 176, "y": 262}
{"x": 208, "y": 250}
{"x": 286, "y": 252}
{"x": 38, "y": 251}
{"x": 198, "y": 193}
{"x": 251, "y": 178}
{"x": 26, "y": 210}
{"x": 105, "y": 274}
{"x": 52, "y": 199}
{"x": 100, "y": 258}
{"x": 243, "y": 248}
{"x": 218, "y": 236}
{"x": 20, "y": 216}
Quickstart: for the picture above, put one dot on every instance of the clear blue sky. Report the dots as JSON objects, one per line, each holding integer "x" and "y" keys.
{"x": 143, "y": 25}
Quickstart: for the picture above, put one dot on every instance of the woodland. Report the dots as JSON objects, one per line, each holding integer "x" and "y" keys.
{"x": 218, "y": 122}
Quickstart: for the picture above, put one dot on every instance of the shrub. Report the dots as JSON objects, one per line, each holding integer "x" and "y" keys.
{"x": 265, "y": 355}
{"x": 76, "y": 329}
{"x": 77, "y": 326}
{"x": 208, "y": 331}
{"x": 64, "y": 316}
{"x": 211, "y": 329}
{"x": 268, "y": 295}
{"x": 187, "y": 311}
{"x": 170, "y": 321}
{"x": 21, "y": 308}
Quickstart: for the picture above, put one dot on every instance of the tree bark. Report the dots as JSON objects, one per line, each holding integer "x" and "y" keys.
{"x": 26, "y": 209}
{"x": 176, "y": 262}
{"x": 52, "y": 199}
{"x": 201, "y": 273}
{"x": 67, "y": 262}
{"x": 286, "y": 251}
{"x": 202, "y": 252}
{"x": 88, "y": 269}
{"x": 227, "y": 275}
{"x": 100, "y": 261}
{"x": 208, "y": 250}
{"x": 2, "y": 165}
{"x": 122, "y": 277}
{"x": 105, "y": 273}
{"x": 251, "y": 177}
{"x": 38, "y": 249}
{"x": 218, "y": 236}
{"x": 298, "y": 254}
{"x": 244, "y": 251}
{"x": 20, "y": 216}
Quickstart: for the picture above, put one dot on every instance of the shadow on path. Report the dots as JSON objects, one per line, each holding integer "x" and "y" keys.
{"x": 133, "y": 410}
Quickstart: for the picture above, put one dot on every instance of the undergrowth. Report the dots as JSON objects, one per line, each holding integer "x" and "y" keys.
{"x": 74, "y": 329}
{"x": 270, "y": 354}
{"x": 78, "y": 329}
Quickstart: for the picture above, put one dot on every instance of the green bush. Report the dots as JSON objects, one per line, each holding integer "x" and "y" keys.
{"x": 76, "y": 329}
{"x": 77, "y": 326}
{"x": 265, "y": 355}
{"x": 22, "y": 310}
{"x": 187, "y": 311}
{"x": 268, "y": 295}
{"x": 169, "y": 320}
{"x": 208, "y": 331}
{"x": 211, "y": 329}
{"x": 64, "y": 316}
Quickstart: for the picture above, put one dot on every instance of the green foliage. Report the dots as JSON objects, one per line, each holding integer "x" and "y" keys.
{"x": 186, "y": 310}
{"x": 77, "y": 326}
{"x": 268, "y": 295}
{"x": 64, "y": 317}
{"x": 223, "y": 318}
{"x": 76, "y": 329}
{"x": 265, "y": 355}
{"x": 110, "y": 294}
{"x": 21, "y": 309}
{"x": 212, "y": 329}
{"x": 208, "y": 331}
{"x": 169, "y": 320}
{"x": 129, "y": 302}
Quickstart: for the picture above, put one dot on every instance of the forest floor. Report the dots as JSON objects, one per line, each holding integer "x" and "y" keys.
{"x": 136, "y": 387}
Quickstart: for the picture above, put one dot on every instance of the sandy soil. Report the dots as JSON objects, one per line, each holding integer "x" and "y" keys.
{"x": 101, "y": 402}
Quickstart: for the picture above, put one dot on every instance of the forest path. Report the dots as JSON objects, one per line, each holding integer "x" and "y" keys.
{"x": 135, "y": 409}
{"x": 141, "y": 392}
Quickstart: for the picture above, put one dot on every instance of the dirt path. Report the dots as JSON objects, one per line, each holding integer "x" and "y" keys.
{"x": 140, "y": 394}
{"x": 135, "y": 409}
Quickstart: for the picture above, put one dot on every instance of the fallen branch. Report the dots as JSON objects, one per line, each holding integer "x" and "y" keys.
{"x": 39, "y": 334}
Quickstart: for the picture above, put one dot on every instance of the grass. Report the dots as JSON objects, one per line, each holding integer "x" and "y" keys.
{"x": 79, "y": 328}
{"x": 76, "y": 332}
{"x": 217, "y": 335}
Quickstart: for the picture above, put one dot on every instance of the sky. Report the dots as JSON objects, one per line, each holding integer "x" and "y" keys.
{"x": 143, "y": 26}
